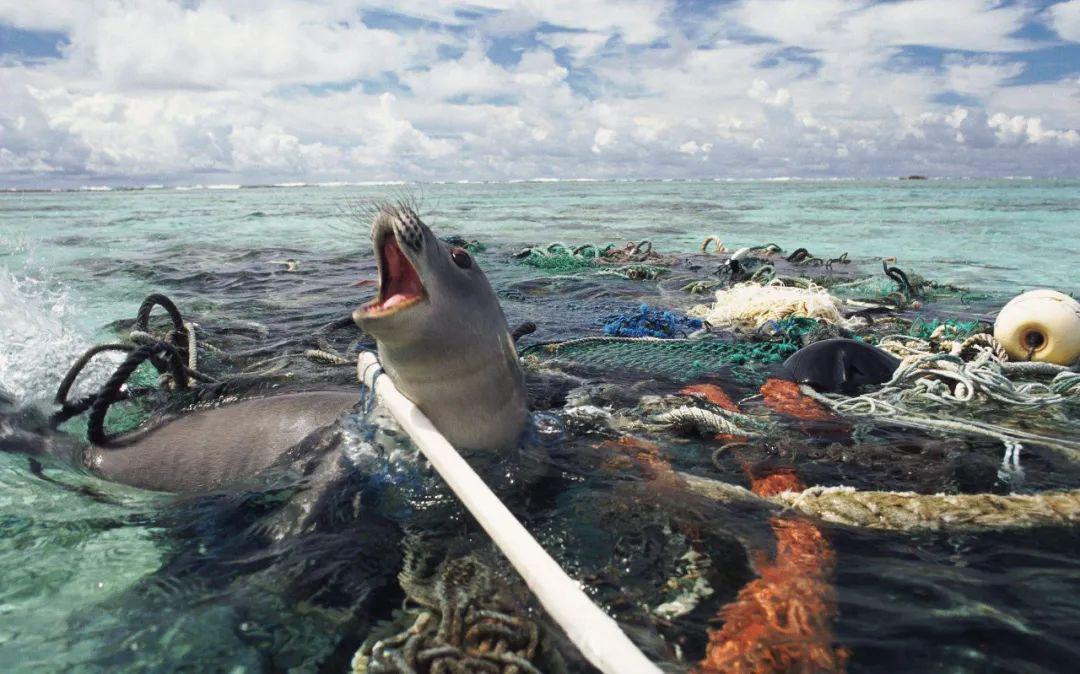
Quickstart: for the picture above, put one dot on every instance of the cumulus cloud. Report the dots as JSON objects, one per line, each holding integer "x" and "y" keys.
{"x": 1065, "y": 19}
{"x": 146, "y": 90}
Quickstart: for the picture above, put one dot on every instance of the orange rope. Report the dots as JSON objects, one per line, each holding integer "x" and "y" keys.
{"x": 781, "y": 622}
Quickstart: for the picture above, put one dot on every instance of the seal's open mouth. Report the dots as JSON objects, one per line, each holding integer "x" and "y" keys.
{"x": 399, "y": 284}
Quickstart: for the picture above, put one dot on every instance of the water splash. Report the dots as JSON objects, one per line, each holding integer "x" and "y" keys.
{"x": 39, "y": 339}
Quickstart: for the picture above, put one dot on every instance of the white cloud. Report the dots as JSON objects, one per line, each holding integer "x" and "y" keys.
{"x": 972, "y": 25}
{"x": 1065, "y": 19}
{"x": 636, "y": 21}
{"x": 580, "y": 45}
{"x": 603, "y": 138}
{"x": 1018, "y": 129}
{"x": 761, "y": 91}
{"x": 979, "y": 76}
{"x": 146, "y": 90}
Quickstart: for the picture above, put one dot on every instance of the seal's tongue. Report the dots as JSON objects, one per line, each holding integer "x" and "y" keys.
{"x": 400, "y": 283}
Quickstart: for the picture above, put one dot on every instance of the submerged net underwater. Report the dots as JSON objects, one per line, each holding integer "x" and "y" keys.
{"x": 664, "y": 469}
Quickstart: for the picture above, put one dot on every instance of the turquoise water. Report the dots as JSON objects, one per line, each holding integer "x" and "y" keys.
{"x": 999, "y": 235}
{"x": 73, "y": 262}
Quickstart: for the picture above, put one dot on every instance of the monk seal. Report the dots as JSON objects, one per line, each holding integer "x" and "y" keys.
{"x": 442, "y": 336}
{"x": 839, "y": 365}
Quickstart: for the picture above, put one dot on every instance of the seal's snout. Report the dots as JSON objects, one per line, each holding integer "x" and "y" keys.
{"x": 409, "y": 230}
{"x": 400, "y": 286}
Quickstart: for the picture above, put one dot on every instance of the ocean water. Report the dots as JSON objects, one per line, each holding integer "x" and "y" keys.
{"x": 125, "y": 580}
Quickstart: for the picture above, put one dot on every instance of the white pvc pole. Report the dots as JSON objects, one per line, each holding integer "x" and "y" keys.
{"x": 594, "y": 632}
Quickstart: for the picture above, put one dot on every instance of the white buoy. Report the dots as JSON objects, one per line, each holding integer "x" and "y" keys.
{"x": 1044, "y": 324}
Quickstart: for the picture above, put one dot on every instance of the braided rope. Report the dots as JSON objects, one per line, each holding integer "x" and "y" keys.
{"x": 908, "y": 511}
{"x": 708, "y": 421}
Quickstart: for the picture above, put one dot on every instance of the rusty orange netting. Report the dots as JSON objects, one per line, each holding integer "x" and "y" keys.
{"x": 784, "y": 397}
{"x": 781, "y": 622}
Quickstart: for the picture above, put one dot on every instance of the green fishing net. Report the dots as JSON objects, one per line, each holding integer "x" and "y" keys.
{"x": 869, "y": 287}
{"x": 559, "y": 257}
{"x": 954, "y": 329}
{"x": 677, "y": 359}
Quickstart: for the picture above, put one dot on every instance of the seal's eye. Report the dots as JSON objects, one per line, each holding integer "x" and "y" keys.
{"x": 461, "y": 258}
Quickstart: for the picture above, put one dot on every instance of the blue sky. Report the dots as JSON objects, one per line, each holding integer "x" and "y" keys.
{"x": 153, "y": 91}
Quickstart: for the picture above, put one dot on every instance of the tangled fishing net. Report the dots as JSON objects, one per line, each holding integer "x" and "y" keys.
{"x": 936, "y": 328}
{"x": 629, "y": 261}
{"x": 751, "y": 305}
{"x": 928, "y": 391}
{"x": 466, "y": 619}
{"x": 647, "y": 322}
{"x": 948, "y": 380}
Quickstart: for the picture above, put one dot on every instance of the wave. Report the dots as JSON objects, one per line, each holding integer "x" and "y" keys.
{"x": 38, "y": 340}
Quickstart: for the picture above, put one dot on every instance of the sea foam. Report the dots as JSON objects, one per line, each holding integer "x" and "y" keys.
{"x": 39, "y": 341}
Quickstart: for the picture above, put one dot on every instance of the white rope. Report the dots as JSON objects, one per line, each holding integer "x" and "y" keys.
{"x": 595, "y": 633}
{"x": 869, "y": 406}
{"x": 706, "y": 421}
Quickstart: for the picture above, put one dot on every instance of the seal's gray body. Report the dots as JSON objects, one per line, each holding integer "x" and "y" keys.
{"x": 451, "y": 352}
{"x": 447, "y": 348}
{"x": 839, "y": 365}
{"x": 207, "y": 449}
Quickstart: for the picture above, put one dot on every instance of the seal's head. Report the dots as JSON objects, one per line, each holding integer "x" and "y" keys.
{"x": 441, "y": 333}
{"x": 424, "y": 284}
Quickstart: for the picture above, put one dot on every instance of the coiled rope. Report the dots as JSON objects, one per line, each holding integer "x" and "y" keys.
{"x": 174, "y": 356}
{"x": 947, "y": 379}
{"x": 939, "y": 382}
{"x": 111, "y": 392}
{"x": 463, "y": 622}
